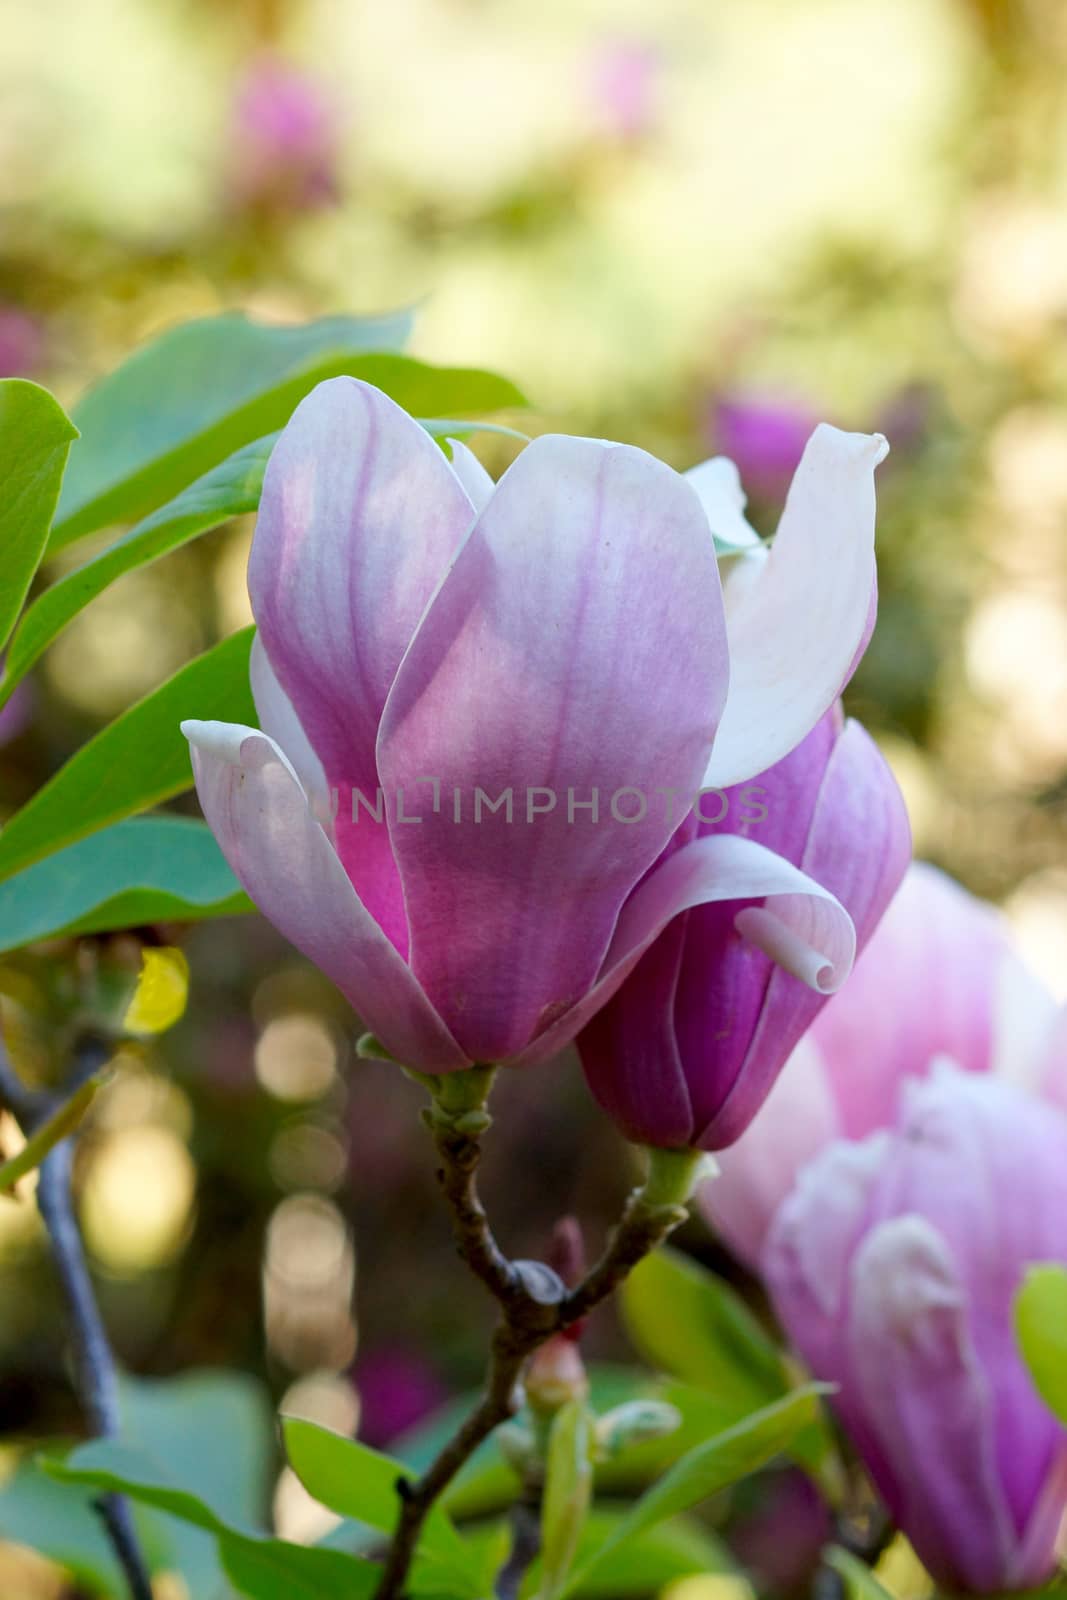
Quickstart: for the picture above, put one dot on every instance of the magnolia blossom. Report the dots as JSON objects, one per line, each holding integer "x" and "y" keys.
{"x": 941, "y": 977}
{"x": 21, "y": 342}
{"x": 764, "y": 434}
{"x": 893, "y": 1266}
{"x": 689, "y": 1046}
{"x": 510, "y": 695}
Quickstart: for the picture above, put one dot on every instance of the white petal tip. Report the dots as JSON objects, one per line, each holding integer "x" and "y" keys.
{"x": 857, "y": 447}
{"x": 223, "y": 740}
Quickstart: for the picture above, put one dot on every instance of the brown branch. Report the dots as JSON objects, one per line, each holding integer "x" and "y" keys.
{"x": 533, "y": 1299}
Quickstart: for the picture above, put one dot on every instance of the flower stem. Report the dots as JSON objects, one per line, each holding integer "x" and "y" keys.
{"x": 533, "y": 1300}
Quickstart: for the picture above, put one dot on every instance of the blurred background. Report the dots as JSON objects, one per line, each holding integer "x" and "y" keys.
{"x": 694, "y": 226}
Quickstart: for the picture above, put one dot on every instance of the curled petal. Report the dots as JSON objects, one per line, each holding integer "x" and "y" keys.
{"x": 280, "y": 722}
{"x": 574, "y": 659}
{"x": 258, "y": 812}
{"x": 796, "y": 620}
{"x": 712, "y": 869}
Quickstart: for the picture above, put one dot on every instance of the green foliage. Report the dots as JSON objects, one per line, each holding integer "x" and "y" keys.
{"x": 185, "y": 402}
{"x": 859, "y": 1581}
{"x": 360, "y": 1483}
{"x": 688, "y": 1322}
{"x": 228, "y": 490}
{"x": 709, "y": 1467}
{"x": 1041, "y": 1330}
{"x": 214, "y": 1430}
{"x": 35, "y": 436}
{"x": 139, "y": 760}
{"x": 568, "y": 1494}
{"x": 142, "y": 870}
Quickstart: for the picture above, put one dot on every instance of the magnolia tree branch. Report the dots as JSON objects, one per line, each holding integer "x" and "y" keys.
{"x": 534, "y": 1302}
{"x": 95, "y": 1373}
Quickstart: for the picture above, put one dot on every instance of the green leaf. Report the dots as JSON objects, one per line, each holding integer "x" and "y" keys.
{"x": 644, "y": 1563}
{"x": 860, "y": 1582}
{"x": 1041, "y": 1330}
{"x": 687, "y": 1321}
{"x": 185, "y": 402}
{"x": 58, "y": 1521}
{"x": 143, "y": 870}
{"x": 35, "y": 437}
{"x": 137, "y": 761}
{"x": 712, "y": 1466}
{"x": 49, "y": 1134}
{"x": 258, "y": 1566}
{"x": 228, "y": 490}
{"x": 360, "y": 1483}
{"x": 568, "y": 1494}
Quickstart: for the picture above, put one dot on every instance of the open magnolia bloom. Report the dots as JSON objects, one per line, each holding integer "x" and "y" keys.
{"x": 894, "y": 1266}
{"x": 485, "y": 711}
{"x": 941, "y": 977}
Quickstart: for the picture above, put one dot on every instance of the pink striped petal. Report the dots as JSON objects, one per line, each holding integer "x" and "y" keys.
{"x": 576, "y": 646}
{"x": 255, "y": 806}
{"x": 359, "y": 518}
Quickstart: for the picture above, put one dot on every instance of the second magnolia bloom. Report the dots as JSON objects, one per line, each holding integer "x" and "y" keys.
{"x": 424, "y": 632}
{"x": 693, "y": 1041}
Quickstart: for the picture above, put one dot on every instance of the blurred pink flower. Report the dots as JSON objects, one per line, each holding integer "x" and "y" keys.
{"x": 940, "y": 978}
{"x": 21, "y": 343}
{"x": 285, "y": 138}
{"x": 624, "y": 86}
{"x": 764, "y": 434}
{"x": 397, "y": 1388}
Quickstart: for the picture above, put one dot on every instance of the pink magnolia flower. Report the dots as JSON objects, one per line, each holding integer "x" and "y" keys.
{"x": 513, "y": 692}
{"x": 284, "y": 137}
{"x": 893, "y": 1266}
{"x": 690, "y": 1045}
{"x": 940, "y": 977}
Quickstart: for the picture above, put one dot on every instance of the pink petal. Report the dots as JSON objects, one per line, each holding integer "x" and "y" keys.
{"x": 718, "y": 486}
{"x": 928, "y": 1402}
{"x": 576, "y": 645}
{"x": 257, "y": 810}
{"x": 281, "y": 724}
{"x": 714, "y": 868}
{"x": 796, "y": 619}
{"x": 359, "y": 518}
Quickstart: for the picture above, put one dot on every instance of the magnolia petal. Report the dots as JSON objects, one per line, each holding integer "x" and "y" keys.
{"x": 280, "y": 723}
{"x": 575, "y": 649}
{"x": 359, "y": 518}
{"x": 472, "y": 475}
{"x": 927, "y": 1400}
{"x": 256, "y": 808}
{"x": 711, "y": 869}
{"x": 718, "y": 486}
{"x": 796, "y": 624}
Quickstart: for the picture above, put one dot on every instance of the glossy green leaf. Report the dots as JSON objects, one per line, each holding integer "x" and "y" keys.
{"x": 644, "y": 1562}
{"x": 35, "y": 437}
{"x": 185, "y": 402}
{"x": 568, "y": 1494}
{"x": 228, "y": 490}
{"x": 360, "y": 1483}
{"x": 712, "y": 1466}
{"x": 142, "y": 870}
{"x": 137, "y": 761}
{"x": 859, "y": 1581}
{"x": 687, "y": 1321}
{"x": 1041, "y": 1330}
{"x": 49, "y": 1134}
{"x": 258, "y": 1566}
